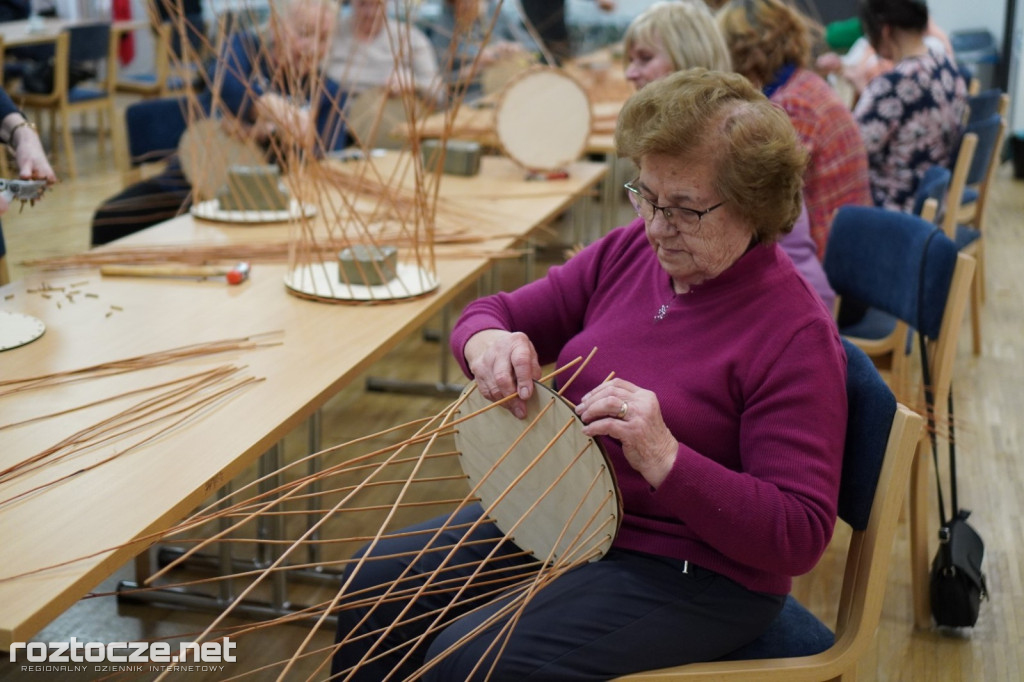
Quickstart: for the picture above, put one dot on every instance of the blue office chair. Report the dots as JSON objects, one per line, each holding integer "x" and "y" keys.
{"x": 881, "y": 437}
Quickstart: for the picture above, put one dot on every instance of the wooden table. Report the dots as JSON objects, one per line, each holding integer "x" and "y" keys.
{"x": 324, "y": 347}
{"x": 44, "y": 29}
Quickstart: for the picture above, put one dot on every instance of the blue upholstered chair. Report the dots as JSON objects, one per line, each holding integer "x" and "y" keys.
{"x": 875, "y": 256}
{"x": 152, "y": 129}
{"x": 965, "y": 216}
{"x": 934, "y": 185}
{"x": 880, "y": 439}
{"x": 983, "y": 105}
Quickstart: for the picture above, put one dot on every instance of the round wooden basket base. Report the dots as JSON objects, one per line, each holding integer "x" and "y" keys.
{"x": 560, "y": 505}
{"x": 543, "y": 119}
{"x": 211, "y": 210}
{"x": 18, "y": 329}
{"x": 320, "y": 281}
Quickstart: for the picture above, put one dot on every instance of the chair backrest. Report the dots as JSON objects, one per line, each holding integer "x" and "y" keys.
{"x": 89, "y": 42}
{"x": 874, "y": 255}
{"x": 906, "y": 267}
{"x": 870, "y": 409}
{"x": 933, "y": 185}
{"x": 983, "y": 105}
{"x": 987, "y": 131}
{"x": 153, "y": 127}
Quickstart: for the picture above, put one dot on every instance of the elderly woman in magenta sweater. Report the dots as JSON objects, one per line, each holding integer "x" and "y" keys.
{"x": 724, "y": 423}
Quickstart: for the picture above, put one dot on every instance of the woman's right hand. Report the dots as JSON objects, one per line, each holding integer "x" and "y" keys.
{"x": 503, "y": 363}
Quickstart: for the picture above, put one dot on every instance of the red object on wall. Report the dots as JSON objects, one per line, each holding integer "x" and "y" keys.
{"x": 121, "y": 10}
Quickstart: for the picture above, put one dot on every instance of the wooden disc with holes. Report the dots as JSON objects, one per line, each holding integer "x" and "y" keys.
{"x": 18, "y": 329}
{"x": 373, "y": 115}
{"x": 207, "y": 150}
{"x": 548, "y": 486}
{"x": 543, "y": 119}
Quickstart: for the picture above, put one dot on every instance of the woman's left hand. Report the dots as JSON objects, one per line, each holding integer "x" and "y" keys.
{"x": 632, "y": 416}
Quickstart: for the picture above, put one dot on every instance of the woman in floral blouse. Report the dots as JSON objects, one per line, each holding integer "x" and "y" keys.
{"x": 911, "y": 117}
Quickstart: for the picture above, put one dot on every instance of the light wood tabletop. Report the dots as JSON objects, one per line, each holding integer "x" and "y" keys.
{"x": 44, "y": 29}
{"x": 98, "y": 511}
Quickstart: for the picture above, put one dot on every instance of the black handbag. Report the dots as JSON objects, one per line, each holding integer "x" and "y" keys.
{"x": 957, "y": 584}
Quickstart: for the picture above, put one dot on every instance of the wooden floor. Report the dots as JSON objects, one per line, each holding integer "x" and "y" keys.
{"x": 989, "y": 392}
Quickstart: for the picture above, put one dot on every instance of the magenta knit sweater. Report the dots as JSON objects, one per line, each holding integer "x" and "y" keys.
{"x": 750, "y": 376}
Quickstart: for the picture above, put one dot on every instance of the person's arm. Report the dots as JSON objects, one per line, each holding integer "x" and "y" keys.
{"x": 238, "y": 88}
{"x": 21, "y": 137}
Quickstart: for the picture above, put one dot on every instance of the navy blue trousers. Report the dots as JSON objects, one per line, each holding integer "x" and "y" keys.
{"x": 626, "y": 613}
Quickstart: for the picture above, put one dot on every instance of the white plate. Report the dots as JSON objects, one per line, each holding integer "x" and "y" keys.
{"x": 18, "y": 329}
{"x": 210, "y": 210}
{"x": 321, "y": 280}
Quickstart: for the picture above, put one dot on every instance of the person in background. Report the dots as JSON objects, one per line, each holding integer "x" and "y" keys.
{"x": 458, "y": 34}
{"x": 910, "y": 117}
{"x": 770, "y": 44}
{"x": 859, "y": 63}
{"x": 365, "y": 54}
{"x": 724, "y": 423}
{"x": 272, "y": 86}
{"x": 547, "y": 18}
{"x": 680, "y": 34}
{"x": 669, "y": 37}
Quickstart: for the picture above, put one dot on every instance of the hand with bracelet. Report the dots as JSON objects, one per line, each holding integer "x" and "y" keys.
{"x": 21, "y": 138}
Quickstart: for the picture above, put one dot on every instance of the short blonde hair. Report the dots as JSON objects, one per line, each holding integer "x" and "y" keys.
{"x": 764, "y": 35}
{"x": 685, "y": 29}
{"x": 759, "y": 161}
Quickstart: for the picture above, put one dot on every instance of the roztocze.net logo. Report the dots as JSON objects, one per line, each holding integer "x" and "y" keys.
{"x": 122, "y": 656}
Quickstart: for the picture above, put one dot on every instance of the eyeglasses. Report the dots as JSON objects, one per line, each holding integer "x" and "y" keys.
{"x": 679, "y": 217}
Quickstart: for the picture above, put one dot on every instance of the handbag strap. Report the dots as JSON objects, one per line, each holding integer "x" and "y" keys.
{"x": 929, "y": 397}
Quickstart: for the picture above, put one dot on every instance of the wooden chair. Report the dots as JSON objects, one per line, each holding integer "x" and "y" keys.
{"x": 880, "y": 441}
{"x": 80, "y": 43}
{"x": 965, "y": 220}
{"x": 162, "y": 81}
{"x": 876, "y": 257}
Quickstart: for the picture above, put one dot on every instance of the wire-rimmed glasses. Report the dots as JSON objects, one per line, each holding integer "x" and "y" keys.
{"x": 681, "y": 218}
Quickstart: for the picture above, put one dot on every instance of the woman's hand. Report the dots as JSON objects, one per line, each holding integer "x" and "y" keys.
{"x": 275, "y": 113}
{"x": 503, "y": 363}
{"x": 632, "y": 416}
{"x": 30, "y": 157}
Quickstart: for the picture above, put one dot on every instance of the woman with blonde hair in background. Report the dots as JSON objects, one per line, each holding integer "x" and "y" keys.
{"x": 669, "y": 37}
